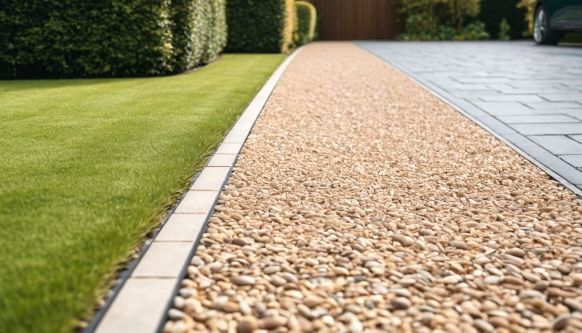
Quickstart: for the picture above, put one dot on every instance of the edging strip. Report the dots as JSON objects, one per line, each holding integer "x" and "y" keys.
{"x": 142, "y": 303}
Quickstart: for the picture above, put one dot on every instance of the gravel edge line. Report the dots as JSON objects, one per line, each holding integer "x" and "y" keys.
{"x": 117, "y": 316}
{"x": 434, "y": 91}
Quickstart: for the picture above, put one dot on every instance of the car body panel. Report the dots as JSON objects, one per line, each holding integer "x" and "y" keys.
{"x": 565, "y": 15}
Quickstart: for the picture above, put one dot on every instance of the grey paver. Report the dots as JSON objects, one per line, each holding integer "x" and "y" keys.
{"x": 223, "y": 160}
{"x": 504, "y": 108}
{"x": 574, "y": 160}
{"x": 553, "y": 105}
{"x": 548, "y": 129}
{"x": 197, "y": 202}
{"x": 211, "y": 179}
{"x": 558, "y": 144}
{"x": 163, "y": 260}
{"x": 182, "y": 228}
{"x": 532, "y": 119}
{"x": 139, "y": 307}
{"x": 506, "y": 91}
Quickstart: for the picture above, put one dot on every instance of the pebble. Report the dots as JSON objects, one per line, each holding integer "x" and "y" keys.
{"x": 400, "y": 303}
{"x": 272, "y": 323}
{"x": 247, "y": 324}
{"x": 244, "y": 280}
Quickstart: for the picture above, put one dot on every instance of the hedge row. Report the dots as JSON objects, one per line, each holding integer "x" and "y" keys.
{"x": 306, "y": 21}
{"x": 88, "y": 38}
{"x": 494, "y": 11}
{"x": 260, "y": 25}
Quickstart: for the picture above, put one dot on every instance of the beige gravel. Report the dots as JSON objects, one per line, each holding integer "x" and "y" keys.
{"x": 361, "y": 203}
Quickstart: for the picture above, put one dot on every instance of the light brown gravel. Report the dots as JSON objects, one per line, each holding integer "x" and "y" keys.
{"x": 361, "y": 203}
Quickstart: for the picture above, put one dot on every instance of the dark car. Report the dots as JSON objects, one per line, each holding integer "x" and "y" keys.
{"x": 553, "y": 18}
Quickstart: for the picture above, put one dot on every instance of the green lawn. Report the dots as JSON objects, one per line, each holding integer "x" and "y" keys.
{"x": 87, "y": 167}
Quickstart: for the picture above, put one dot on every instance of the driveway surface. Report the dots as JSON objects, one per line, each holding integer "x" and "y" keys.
{"x": 528, "y": 95}
{"x": 362, "y": 203}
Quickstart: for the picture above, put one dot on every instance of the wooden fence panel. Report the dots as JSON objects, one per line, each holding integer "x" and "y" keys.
{"x": 357, "y": 19}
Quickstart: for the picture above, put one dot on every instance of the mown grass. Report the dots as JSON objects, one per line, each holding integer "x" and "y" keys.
{"x": 87, "y": 167}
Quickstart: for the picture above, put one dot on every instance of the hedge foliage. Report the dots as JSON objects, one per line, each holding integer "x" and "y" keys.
{"x": 260, "y": 25}
{"x": 306, "y": 21}
{"x": 88, "y": 38}
{"x": 493, "y": 12}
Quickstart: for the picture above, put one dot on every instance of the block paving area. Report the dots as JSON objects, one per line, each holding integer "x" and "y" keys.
{"x": 529, "y": 95}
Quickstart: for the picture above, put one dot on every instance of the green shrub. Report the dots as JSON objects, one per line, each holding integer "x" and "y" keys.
{"x": 440, "y": 19}
{"x": 473, "y": 31}
{"x": 199, "y": 31}
{"x": 504, "y": 30}
{"x": 260, "y": 25}
{"x": 87, "y": 38}
{"x": 306, "y": 20}
{"x": 528, "y": 7}
{"x": 493, "y": 12}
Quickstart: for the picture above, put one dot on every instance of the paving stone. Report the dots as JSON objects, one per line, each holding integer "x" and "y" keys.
{"x": 504, "y": 108}
{"x": 532, "y": 119}
{"x": 163, "y": 260}
{"x": 574, "y": 160}
{"x": 197, "y": 202}
{"x": 182, "y": 228}
{"x": 512, "y": 98}
{"x": 552, "y": 105}
{"x": 211, "y": 179}
{"x": 546, "y": 129}
{"x": 222, "y": 160}
{"x": 561, "y": 97}
{"x": 139, "y": 307}
{"x": 558, "y": 144}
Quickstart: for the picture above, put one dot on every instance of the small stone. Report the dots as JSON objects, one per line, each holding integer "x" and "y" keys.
{"x": 244, "y": 280}
{"x": 271, "y": 323}
{"x": 402, "y": 239}
{"x": 312, "y": 301}
{"x": 247, "y": 324}
{"x": 516, "y": 252}
{"x": 175, "y": 314}
{"x": 289, "y": 277}
{"x": 271, "y": 269}
{"x": 239, "y": 242}
{"x": 483, "y": 326}
{"x": 400, "y": 303}
{"x": 561, "y": 322}
{"x": 452, "y": 279}
{"x": 459, "y": 244}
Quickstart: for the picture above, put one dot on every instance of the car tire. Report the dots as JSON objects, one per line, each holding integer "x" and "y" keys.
{"x": 543, "y": 34}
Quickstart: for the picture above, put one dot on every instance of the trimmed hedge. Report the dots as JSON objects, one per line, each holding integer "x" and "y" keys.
{"x": 88, "y": 38}
{"x": 260, "y": 25}
{"x": 494, "y": 11}
{"x": 306, "y": 21}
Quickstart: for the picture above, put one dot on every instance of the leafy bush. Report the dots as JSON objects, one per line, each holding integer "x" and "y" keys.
{"x": 87, "y": 38}
{"x": 504, "y": 29}
{"x": 260, "y": 25}
{"x": 473, "y": 31}
{"x": 440, "y": 19}
{"x": 199, "y": 32}
{"x": 529, "y": 7}
{"x": 306, "y": 20}
{"x": 493, "y": 12}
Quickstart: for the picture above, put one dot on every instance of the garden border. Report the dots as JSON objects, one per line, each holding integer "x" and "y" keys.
{"x": 145, "y": 295}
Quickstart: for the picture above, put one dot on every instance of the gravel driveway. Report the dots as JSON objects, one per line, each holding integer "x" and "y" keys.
{"x": 362, "y": 203}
